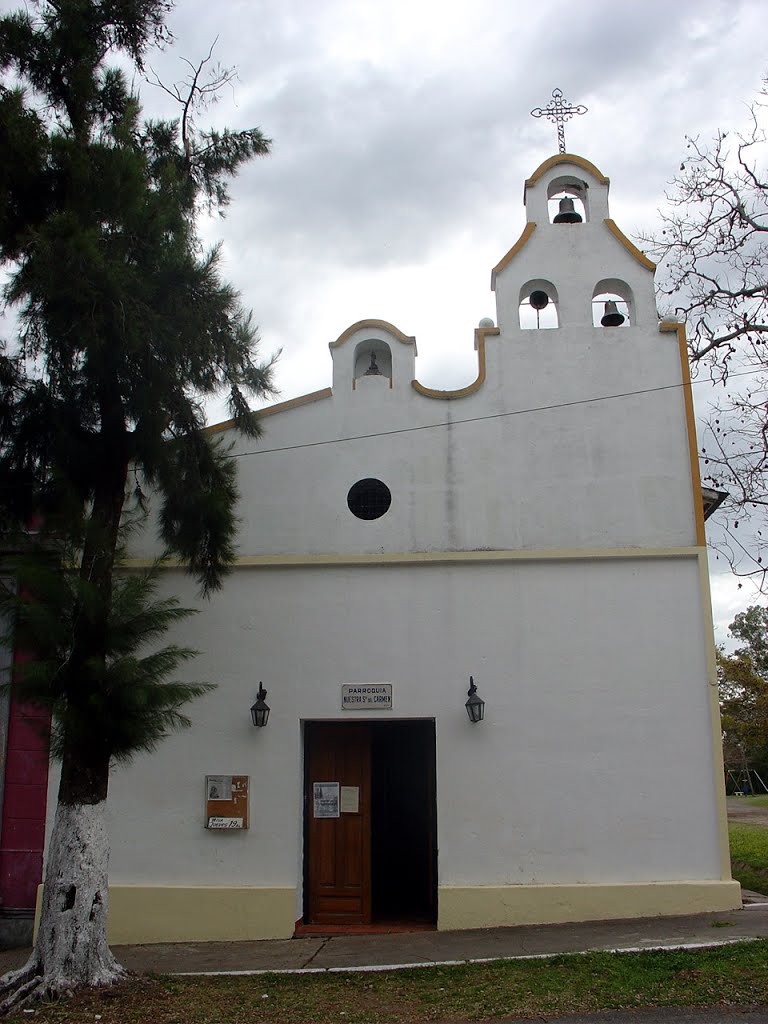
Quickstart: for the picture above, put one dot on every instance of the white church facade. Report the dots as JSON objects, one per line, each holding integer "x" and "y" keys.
{"x": 540, "y": 530}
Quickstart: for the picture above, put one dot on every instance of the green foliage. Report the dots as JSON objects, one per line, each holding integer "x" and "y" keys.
{"x": 126, "y": 325}
{"x": 751, "y": 627}
{"x": 118, "y": 699}
{"x": 744, "y": 690}
{"x": 125, "y": 328}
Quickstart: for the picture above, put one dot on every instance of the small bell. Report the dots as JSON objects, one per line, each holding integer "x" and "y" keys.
{"x": 612, "y": 317}
{"x": 538, "y": 299}
{"x": 567, "y": 213}
{"x": 373, "y": 370}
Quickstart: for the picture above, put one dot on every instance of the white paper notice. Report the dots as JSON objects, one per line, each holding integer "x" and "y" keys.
{"x": 326, "y": 799}
{"x": 350, "y": 799}
{"x": 219, "y": 787}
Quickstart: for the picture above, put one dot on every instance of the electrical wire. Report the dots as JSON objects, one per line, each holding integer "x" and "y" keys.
{"x": 480, "y": 419}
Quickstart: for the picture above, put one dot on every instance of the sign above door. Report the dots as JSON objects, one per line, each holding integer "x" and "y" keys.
{"x": 366, "y": 697}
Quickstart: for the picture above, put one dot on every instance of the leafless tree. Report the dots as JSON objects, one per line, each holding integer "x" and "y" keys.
{"x": 713, "y": 254}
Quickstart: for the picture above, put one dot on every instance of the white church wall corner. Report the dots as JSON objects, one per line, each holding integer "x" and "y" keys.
{"x": 538, "y": 529}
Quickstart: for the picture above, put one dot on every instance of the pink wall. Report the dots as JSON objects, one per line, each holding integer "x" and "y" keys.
{"x": 22, "y": 835}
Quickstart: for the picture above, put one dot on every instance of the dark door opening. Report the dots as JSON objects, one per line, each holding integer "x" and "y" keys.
{"x": 402, "y": 822}
{"x": 376, "y": 863}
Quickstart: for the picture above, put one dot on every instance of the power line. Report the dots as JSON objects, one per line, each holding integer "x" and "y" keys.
{"x": 478, "y": 419}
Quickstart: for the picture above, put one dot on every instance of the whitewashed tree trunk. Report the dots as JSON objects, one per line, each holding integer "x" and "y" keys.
{"x": 71, "y": 950}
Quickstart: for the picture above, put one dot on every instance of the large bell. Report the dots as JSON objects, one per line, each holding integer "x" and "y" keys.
{"x": 538, "y": 299}
{"x": 567, "y": 213}
{"x": 612, "y": 317}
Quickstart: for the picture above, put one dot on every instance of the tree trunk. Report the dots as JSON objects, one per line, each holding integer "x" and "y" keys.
{"x": 71, "y": 950}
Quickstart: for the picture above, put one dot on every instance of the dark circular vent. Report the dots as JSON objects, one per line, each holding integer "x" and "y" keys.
{"x": 369, "y": 499}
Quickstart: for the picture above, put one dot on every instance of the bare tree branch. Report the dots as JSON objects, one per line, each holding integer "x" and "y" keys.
{"x": 712, "y": 250}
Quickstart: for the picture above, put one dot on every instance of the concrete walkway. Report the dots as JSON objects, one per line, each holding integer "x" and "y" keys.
{"x": 381, "y": 952}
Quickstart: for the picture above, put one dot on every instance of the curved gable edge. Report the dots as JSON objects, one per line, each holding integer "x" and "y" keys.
{"x": 481, "y": 333}
{"x": 381, "y": 325}
{"x": 631, "y": 248}
{"x": 567, "y": 158}
{"x": 504, "y": 262}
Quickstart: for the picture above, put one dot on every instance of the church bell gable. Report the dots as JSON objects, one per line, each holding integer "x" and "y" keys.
{"x": 572, "y": 258}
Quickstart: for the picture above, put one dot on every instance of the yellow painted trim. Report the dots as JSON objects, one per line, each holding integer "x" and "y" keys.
{"x": 196, "y": 913}
{"x": 490, "y": 906}
{"x": 481, "y": 333}
{"x": 714, "y": 714}
{"x": 567, "y": 158}
{"x": 140, "y": 914}
{"x": 432, "y": 558}
{"x": 270, "y": 410}
{"x": 382, "y": 325}
{"x": 528, "y": 230}
{"x": 631, "y": 248}
{"x": 690, "y": 420}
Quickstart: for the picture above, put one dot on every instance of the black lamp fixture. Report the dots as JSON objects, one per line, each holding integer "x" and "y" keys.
{"x": 260, "y": 710}
{"x": 475, "y": 705}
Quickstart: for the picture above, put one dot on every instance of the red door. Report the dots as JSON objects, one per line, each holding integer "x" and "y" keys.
{"x": 338, "y": 847}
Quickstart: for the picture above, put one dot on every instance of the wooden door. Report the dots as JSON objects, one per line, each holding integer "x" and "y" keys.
{"x": 338, "y": 854}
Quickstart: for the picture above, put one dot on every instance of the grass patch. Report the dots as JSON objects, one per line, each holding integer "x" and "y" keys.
{"x": 735, "y": 975}
{"x": 754, "y": 801}
{"x": 749, "y": 855}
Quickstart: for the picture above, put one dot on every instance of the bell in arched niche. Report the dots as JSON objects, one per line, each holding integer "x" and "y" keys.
{"x": 612, "y": 317}
{"x": 567, "y": 214}
{"x": 373, "y": 370}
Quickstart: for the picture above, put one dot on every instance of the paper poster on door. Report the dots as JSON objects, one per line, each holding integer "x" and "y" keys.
{"x": 350, "y": 799}
{"x": 326, "y": 799}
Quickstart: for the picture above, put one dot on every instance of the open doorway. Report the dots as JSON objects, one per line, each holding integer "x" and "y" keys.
{"x": 370, "y": 848}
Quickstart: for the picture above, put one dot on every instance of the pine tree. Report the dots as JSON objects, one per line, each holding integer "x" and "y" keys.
{"x": 124, "y": 328}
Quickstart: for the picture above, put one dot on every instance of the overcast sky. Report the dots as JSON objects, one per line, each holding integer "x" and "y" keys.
{"x": 402, "y": 137}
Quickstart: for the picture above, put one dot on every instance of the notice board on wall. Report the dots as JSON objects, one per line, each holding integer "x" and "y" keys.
{"x": 226, "y": 801}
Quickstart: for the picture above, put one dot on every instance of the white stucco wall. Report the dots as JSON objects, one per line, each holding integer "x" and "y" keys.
{"x": 593, "y": 763}
{"x": 611, "y": 473}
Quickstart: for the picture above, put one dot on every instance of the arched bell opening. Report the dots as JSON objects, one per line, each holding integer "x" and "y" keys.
{"x": 612, "y": 304}
{"x": 538, "y": 306}
{"x": 373, "y": 358}
{"x": 567, "y": 200}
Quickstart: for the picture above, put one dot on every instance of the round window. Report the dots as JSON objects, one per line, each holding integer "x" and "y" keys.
{"x": 369, "y": 499}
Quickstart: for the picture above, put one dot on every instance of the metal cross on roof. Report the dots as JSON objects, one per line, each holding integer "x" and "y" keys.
{"x": 559, "y": 111}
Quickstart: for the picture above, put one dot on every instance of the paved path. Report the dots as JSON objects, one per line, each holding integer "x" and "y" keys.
{"x": 377, "y": 952}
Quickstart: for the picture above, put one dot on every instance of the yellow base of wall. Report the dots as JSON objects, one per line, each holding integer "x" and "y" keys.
{"x": 164, "y": 913}
{"x": 491, "y": 906}
{"x": 140, "y": 914}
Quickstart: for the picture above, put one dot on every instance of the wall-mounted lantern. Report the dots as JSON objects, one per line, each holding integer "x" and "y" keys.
{"x": 260, "y": 710}
{"x": 475, "y": 705}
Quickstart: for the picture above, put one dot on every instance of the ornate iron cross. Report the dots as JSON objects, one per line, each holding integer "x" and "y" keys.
{"x": 559, "y": 111}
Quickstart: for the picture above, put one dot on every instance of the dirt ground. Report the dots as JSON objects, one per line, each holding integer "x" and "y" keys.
{"x": 742, "y": 809}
